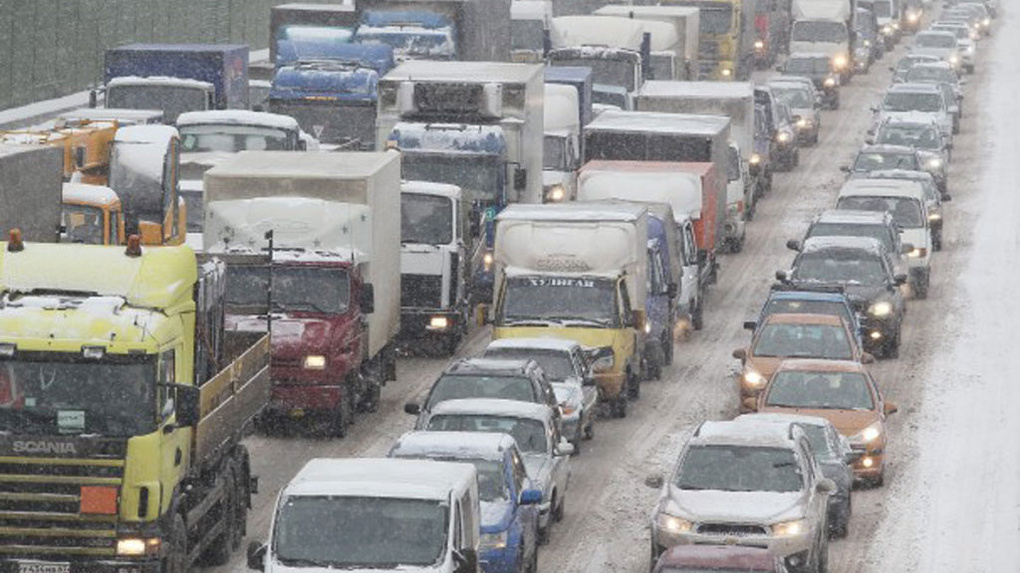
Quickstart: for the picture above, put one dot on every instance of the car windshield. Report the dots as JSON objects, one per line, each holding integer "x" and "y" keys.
{"x": 234, "y": 138}
{"x": 454, "y": 387}
{"x": 803, "y": 341}
{"x": 820, "y": 390}
{"x": 739, "y": 468}
{"x": 880, "y": 232}
{"x": 882, "y": 160}
{"x": 603, "y": 70}
{"x": 918, "y": 136}
{"x": 912, "y": 101}
{"x": 426, "y": 219}
{"x": 906, "y": 211}
{"x": 295, "y": 288}
{"x": 818, "y": 31}
{"x": 961, "y": 32}
{"x": 795, "y": 97}
{"x": 481, "y": 180}
{"x": 807, "y": 66}
{"x": 800, "y": 306}
{"x": 529, "y": 434}
{"x": 340, "y": 532}
{"x": 556, "y": 364}
{"x": 843, "y": 266}
{"x": 565, "y": 300}
{"x": 930, "y": 74}
{"x": 173, "y": 101}
{"x": 82, "y": 224}
{"x": 939, "y": 40}
{"x": 56, "y": 394}
{"x": 820, "y": 445}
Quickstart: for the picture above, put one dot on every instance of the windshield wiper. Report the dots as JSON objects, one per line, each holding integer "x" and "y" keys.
{"x": 578, "y": 319}
{"x": 527, "y": 322}
{"x": 305, "y": 562}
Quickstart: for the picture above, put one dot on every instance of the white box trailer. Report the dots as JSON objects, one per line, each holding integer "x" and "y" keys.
{"x": 685, "y": 21}
{"x": 31, "y": 185}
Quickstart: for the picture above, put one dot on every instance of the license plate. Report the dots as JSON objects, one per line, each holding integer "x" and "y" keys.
{"x": 43, "y": 567}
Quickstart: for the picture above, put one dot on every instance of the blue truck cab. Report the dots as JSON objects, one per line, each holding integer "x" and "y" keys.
{"x": 473, "y": 157}
{"x": 413, "y": 34}
{"x": 813, "y": 300}
{"x": 331, "y": 89}
{"x": 509, "y": 508}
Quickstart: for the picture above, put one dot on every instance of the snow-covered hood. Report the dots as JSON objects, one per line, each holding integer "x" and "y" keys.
{"x": 292, "y": 336}
{"x": 496, "y": 516}
{"x": 279, "y": 568}
{"x": 827, "y": 48}
{"x": 538, "y": 466}
{"x": 750, "y": 507}
{"x": 847, "y": 422}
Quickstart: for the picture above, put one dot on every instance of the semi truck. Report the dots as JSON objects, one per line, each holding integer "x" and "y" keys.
{"x": 529, "y": 23}
{"x": 435, "y": 248}
{"x": 726, "y": 37}
{"x": 123, "y": 404}
{"x": 577, "y": 271}
{"x": 734, "y": 100}
{"x": 86, "y": 146}
{"x": 561, "y": 148}
{"x": 772, "y": 31}
{"x": 30, "y": 191}
{"x": 471, "y": 124}
{"x": 176, "y": 78}
{"x": 330, "y": 279}
{"x": 145, "y": 174}
{"x": 825, "y": 27}
{"x": 675, "y": 57}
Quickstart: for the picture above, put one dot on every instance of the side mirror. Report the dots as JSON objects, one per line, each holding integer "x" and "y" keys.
{"x": 890, "y": 408}
{"x": 367, "y": 301}
{"x": 412, "y": 408}
{"x": 946, "y": 197}
{"x": 782, "y": 276}
{"x": 740, "y": 354}
{"x": 520, "y": 178}
{"x": 638, "y": 319}
{"x": 867, "y": 358}
{"x": 187, "y": 405}
{"x": 257, "y": 555}
{"x": 825, "y": 486}
{"x": 671, "y": 290}
{"x": 655, "y": 481}
{"x": 564, "y": 448}
{"x": 602, "y": 360}
{"x": 588, "y": 381}
{"x": 900, "y": 279}
{"x": 793, "y": 245}
{"x": 751, "y": 325}
{"x": 844, "y": 168}
{"x": 750, "y": 404}
{"x": 531, "y": 497}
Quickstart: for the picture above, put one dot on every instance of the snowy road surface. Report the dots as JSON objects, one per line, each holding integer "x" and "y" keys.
{"x": 952, "y": 495}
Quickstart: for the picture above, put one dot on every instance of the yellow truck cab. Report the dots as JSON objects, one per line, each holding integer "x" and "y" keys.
{"x": 91, "y": 214}
{"x": 85, "y": 143}
{"x": 576, "y": 271}
{"x": 122, "y": 405}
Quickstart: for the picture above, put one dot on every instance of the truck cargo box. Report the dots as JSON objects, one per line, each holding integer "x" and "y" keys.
{"x": 31, "y": 182}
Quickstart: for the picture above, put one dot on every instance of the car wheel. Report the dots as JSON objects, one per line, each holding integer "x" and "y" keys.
{"x": 559, "y": 510}
{"x": 533, "y": 562}
{"x": 589, "y": 430}
{"x": 936, "y": 241}
{"x": 667, "y": 348}
{"x": 343, "y": 416}
{"x": 619, "y": 406}
{"x": 892, "y": 346}
{"x": 796, "y": 158}
{"x": 921, "y": 288}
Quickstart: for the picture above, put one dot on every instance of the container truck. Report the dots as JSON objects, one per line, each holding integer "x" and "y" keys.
{"x": 330, "y": 278}
{"x": 529, "y": 23}
{"x": 301, "y": 22}
{"x": 561, "y": 148}
{"x": 176, "y": 78}
{"x": 30, "y": 191}
{"x": 577, "y": 271}
{"x": 435, "y": 244}
{"x": 726, "y": 37}
{"x": 825, "y": 26}
{"x": 772, "y": 31}
{"x": 123, "y": 404}
{"x": 734, "y": 100}
{"x": 471, "y": 124}
{"x": 678, "y": 59}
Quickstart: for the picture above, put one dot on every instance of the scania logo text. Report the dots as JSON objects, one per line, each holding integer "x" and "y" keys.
{"x": 44, "y": 447}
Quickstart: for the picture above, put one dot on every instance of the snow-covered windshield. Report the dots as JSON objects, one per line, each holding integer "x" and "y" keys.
{"x": 939, "y": 40}
{"x": 529, "y": 434}
{"x": 426, "y": 219}
{"x": 573, "y": 301}
{"x": 882, "y": 9}
{"x": 905, "y": 101}
{"x": 295, "y": 288}
{"x": 739, "y": 468}
{"x": 173, "y": 100}
{"x": 55, "y": 394}
{"x": 464, "y": 386}
{"x": 618, "y": 73}
{"x": 793, "y": 96}
{"x": 906, "y": 211}
{"x": 879, "y": 232}
{"x": 556, "y": 365}
{"x": 481, "y": 180}
{"x": 818, "y": 31}
{"x": 334, "y": 122}
{"x": 847, "y": 267}
{"x": 930, "y": 74}
{"x": 527, "y": 34}
{"x": 359, "y": 532}
{"x": 234, "y": 138}
{"x": 919, "y": 136}
{"x": 411, "y": 41}
{"x": 820, "y": 390}
{"x": 82, "y": 224}
{"x": 807, "y": 66}
{"x": 554, "y": 153}
{"x": 803, "y": 341}
{"x": 821, "y": 447}
{"x": 883, "y": 160}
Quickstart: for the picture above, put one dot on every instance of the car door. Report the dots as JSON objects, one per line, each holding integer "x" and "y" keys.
{"x": 560, "y": 465}
{"x": 525, "y": 515}
{"x": 817, "y": 502}
{"x": 689, "y": 278}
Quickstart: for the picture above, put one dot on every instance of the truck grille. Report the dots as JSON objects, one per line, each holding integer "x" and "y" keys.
{"x": 730, "y": 529}
{"x": 421, "y": 291}
{"x": 40, "y": 500}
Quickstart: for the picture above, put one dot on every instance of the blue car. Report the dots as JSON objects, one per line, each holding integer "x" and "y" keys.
{"x": 509, "y": 507}
{"x": 813, "y": 300}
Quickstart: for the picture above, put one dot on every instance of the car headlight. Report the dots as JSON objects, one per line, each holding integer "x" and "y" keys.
{"x": 755, "y": 159}
{"x": 759, "y": 45}
{"x": 970, "y": 49}
{"x": 934, "y": 163}
{"x": 315, "y": 362}
{"x": 555, "y": 194}
{"x": 829, "y": 82}
{"x": 896, "y": 25}
{"x": 954, "y": 59}
{"x": 790, "y": 528}
{"x": 867, "y": 43}
{"x": 491, "y": 541}
{"x": 839, "y": 61}
{"x": 673, "y": 524}
{"x": 753, "y": 379}
{"x": 883, "y": 308}
{"x": 986, "y": 22}
{"x": 918, "y": 253}
{"x": 934, "y": 216}
{"x": 803, "y": 123}
{"x": 439, "y": 323}
{"x": 783, "y": 137}
{"x": 487, "y": 260}
{"x": 868, "y": 435}
{"x": 912, "y": 17}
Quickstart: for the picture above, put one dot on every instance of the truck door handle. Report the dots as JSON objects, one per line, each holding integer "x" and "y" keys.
{"x": 177, "y": 457}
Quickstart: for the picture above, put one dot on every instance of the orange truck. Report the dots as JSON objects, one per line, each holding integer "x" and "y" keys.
{"x": 86, "y": 146}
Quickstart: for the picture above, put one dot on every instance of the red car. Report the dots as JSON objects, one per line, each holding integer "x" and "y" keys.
{"x": 722, "y": 558}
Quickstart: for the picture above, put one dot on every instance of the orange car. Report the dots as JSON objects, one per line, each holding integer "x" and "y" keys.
{"x": 843, "y": 392}
{"x": 792, "y": 336}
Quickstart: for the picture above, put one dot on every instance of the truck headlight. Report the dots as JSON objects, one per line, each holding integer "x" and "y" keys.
{"x": 887, "y": 29}
{"x": 555, "y": 194}
{"x": 954, "y": 59}
{"x": 315, "y": 362}
{"x": 868, "y": 435}
{"x": 918, "y": 253}
{"x": 829, "y": 82}
{"x": 934, "y": 217}
{"x": 439, "y": 323}
{"x": 755, "y": 159}
{"x": 789, "y": 528}
{"x": 883, "y": 308}
{"x": 803, "y": 123}
{"x": 726, "y": 72}
{"x": 673, "y": 524}
{"x": 491, "y": 541}
{"x": 839, "y": 62}
{"x": 986, "y": 22}
{"x": 759, "y": 45}
{"x": 970, "y": 49}
{"x": 934, "y": 163}
{"x": 137, "y": 547}
{"x": 753, "y": 379}
{"x": 913, "y": 17}
{"x": 783, "y": 137}
{"x": 487, "y": 260}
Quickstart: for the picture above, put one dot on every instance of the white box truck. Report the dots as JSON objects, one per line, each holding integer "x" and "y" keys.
{"x": 682, "y": 56}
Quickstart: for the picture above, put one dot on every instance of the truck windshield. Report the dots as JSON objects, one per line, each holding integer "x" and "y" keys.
{"x": 570, "y": 301}
{"x": 426, "y": 219}
{"x": 332, "y": 121}
{"x": 359, "y": 532}
{"x": 234, "y": 138}
{"x": 411, "y": 41}
{"x": 172, "y": 100}
{"x": 295, "y": 288}
{"x": 715, "y": 19}
{"x": 819, "y": 31}
{"x": 604, "y": 70}
{"x": 529, "y": 434}
{"x": 646, "y": 147}
{"x": 882, "y": 9}
{"x": 82, "y": 224}
{"x": 554, "y": 153}
{"x": 526, "y": 34}
{"x": 51, "y": 395}
{"x": 480, "y": 179}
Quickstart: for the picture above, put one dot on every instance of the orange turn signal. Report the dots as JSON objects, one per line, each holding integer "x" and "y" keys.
{"x": 98, "y": 500}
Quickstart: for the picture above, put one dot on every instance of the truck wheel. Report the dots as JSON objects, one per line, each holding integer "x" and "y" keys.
{"x": 618, "y": 407}
{"x": 667, "y": 348}
{"x": 633, "y": 387}
{"x": 176, "y": 560}
{"x": 921, "y": 288}
{"x": 344, "y": 414}
{"x": 450, "y": 343}
{"x": 219, "y": 552}
{"x": 892, "y": 346}
{"x": 370, "y": 401}
{"x": 697, "y": 316}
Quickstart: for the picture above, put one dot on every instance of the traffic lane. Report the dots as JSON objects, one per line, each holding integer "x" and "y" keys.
{"x": 606, "y": 528}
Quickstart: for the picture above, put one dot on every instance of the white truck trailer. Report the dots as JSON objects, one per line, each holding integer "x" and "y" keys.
{"x": 562, "y": 146}
{"x": 677, "y": 59}
{"x": 31, "y": 183}
{"x": 824, "y": 26}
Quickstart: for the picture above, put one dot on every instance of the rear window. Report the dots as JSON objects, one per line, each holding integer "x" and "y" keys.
{"x": 516, "y": 388}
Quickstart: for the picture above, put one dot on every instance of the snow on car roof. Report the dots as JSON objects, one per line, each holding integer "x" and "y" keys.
{"x": 722, "y": 90}
{"x": 558, "y": 344}
{"x": 886, "y": 148}
{"x": 381, "y": 477}
{"x": 852, "y": 216}
{"x": 742, "y": 434}
{"x": 911, "y": 117}
{"x": 491, "y": 366}
{"x": 237, "y": 117}
{"x": 91, "y": 194}
{"x": 882, "y": 188}
{"x": 159, "y": 80}
{"x": 785, "y": 419}
{"x": 430, "y": 188}
{"x": 900, "y": 174}
{"x": 468, "y": 72}
{"x": 684, "y": 123}
{"x": 468, "y": 445}
{"x": 492, "y": 407}
{"x": 580, "y": 212}
{"x": 818, "y": 244}
{"x": 913, "y": 88}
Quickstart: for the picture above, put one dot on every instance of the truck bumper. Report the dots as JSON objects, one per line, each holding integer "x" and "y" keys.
{"x": 423, "y": 323}
{"x": 79, "y": 566}
{"x": 295, "y": 401}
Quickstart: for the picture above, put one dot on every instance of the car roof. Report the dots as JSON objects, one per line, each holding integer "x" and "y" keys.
{"x": 886, "y": 148}
{"x": 467, "y": 445}
{"x": 939, "y": 64}
{"x": 490, "y": 366}
{"x": 382, "y": 477}
{"x": 853, "y": 216}
{"x": 750, "y": 559}
{"x": 493, "y": 407}
{"x": 881, "y": 188}
{"x": 778, "y": 418}
{"x": 817, "y": 365}
{"x": 817, "y": 244}
{"x": 911, "y": 118}
{"x": 559, "y": 344}
{"x": 741, "y": 433}
{"x": 912, "y": 87}
{"x": 808, "y": 295}
{"x": 900, "y": 174}
{"x": 803, "y": 318}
